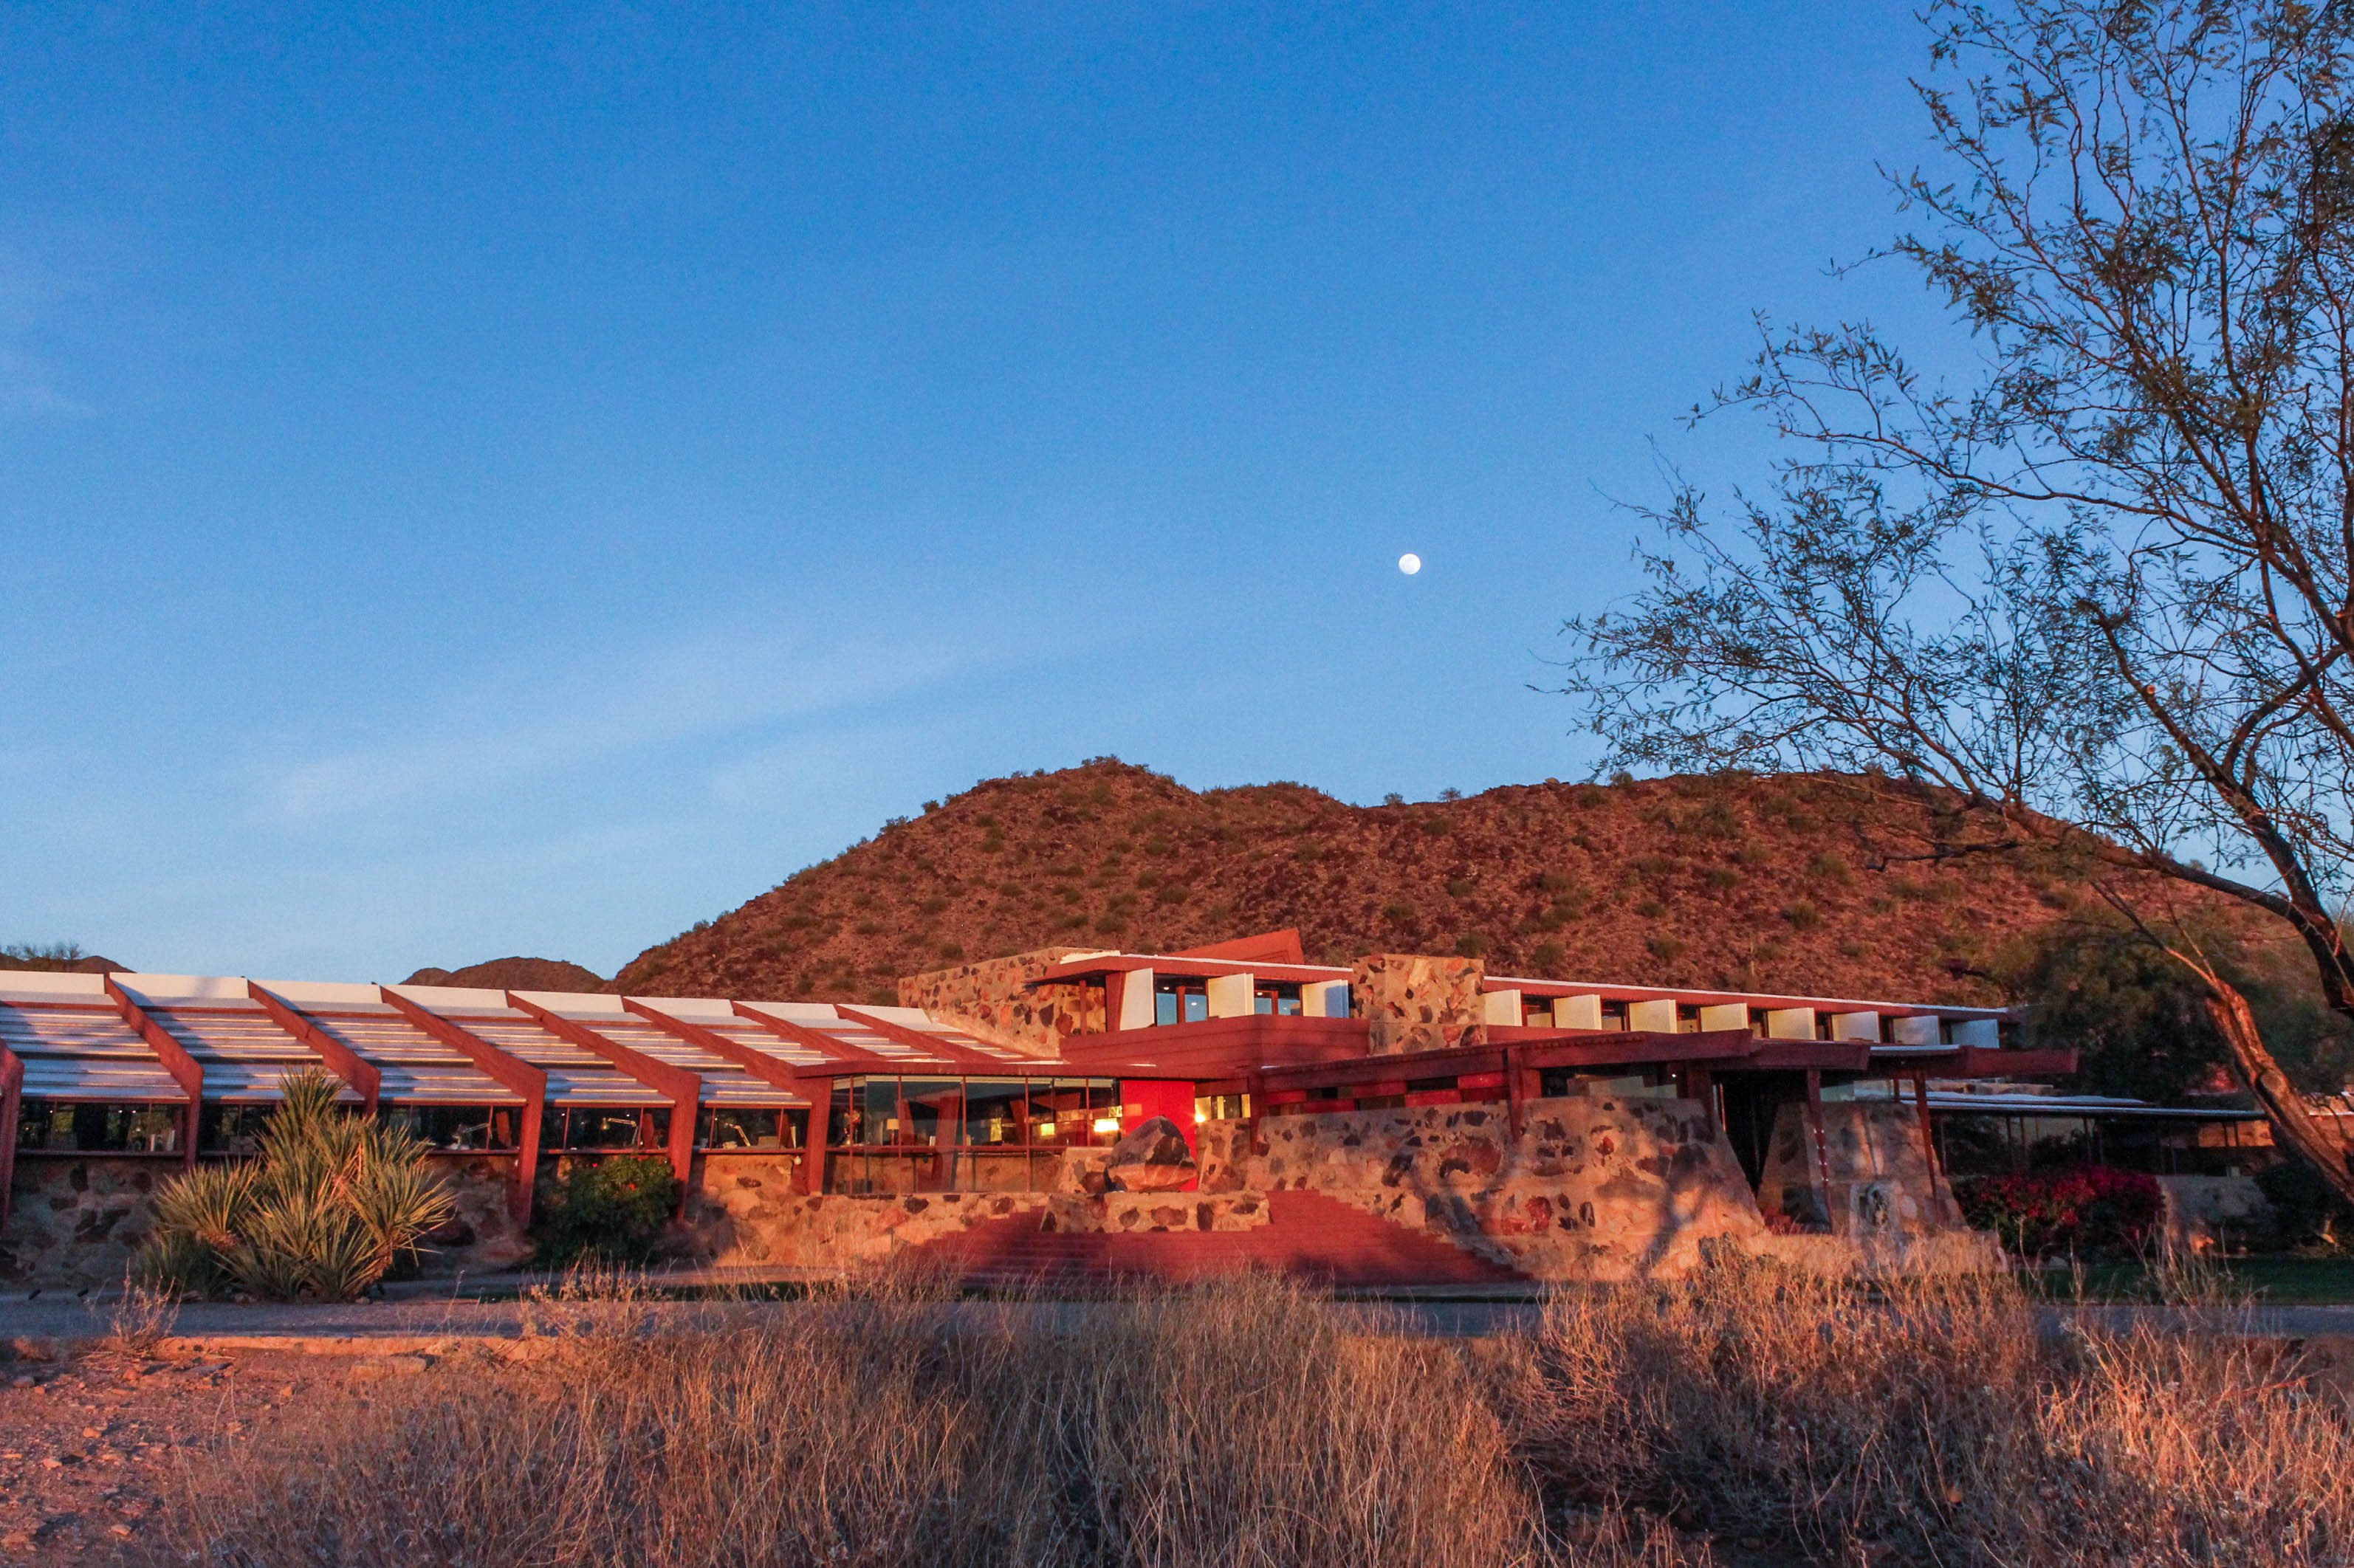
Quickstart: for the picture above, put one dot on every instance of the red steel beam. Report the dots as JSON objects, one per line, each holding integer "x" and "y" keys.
{"x": 685, "y": 1088}
{"x": 349, "y": 1065}
{"x": 760, "y": 1064}
{"x": 185, "y": 1070}
{"x": 12, "y": 1107}
{"x": 511, "y": 1072}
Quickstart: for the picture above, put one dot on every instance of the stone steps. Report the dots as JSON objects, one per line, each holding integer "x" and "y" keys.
{"x": 1307, "y": 1235}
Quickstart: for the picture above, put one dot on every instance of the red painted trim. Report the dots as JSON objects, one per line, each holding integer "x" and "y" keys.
{"x": 683, "y": 1089}
{"x": 1282, "y": 947}
{"x": 184, "y": 1069}
{"x": 12, "y": 1106}
{"x": 769, "y": 1070}
{"x": 513, "y": 1074}
{"x": 348, "y": 1063}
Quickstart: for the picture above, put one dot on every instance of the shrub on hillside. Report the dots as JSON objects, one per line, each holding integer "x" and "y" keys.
{"x": 332, "y": 1201}
{"x": 611, "y": 1210}
{"x": 2087, "y": 1210}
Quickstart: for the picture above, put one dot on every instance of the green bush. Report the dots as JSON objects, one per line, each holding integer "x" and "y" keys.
{"x": 332, "y": 1200}
{"x": 2309, "y": 1213}
{"x": 609, "y": 1209}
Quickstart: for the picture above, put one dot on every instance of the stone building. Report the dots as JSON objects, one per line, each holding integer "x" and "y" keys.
{"x": 1406, "y": 1116}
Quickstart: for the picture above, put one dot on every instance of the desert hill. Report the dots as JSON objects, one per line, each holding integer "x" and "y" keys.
{"x": 514, "y": 974}
{"x": 1776, "y": 884}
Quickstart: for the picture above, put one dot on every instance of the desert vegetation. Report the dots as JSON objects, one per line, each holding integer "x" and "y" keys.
{"x": 1740, "y": 1417}
{"x": 323, "y": 1213}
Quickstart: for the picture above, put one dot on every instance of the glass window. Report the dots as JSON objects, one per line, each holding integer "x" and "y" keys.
{"x": 842, "y": 1117}
{"x": 1281, "y": 1001}
{"x": 1180, "y": 1001}
{"x": 73, "y": 1126}
{"x": 604, "y": 1127}
{"x": 745, "y": 1129}
{"x": 993, "y": 1111}
{"x": 879, "y": 1111}
{"x": 933, "y": 1104}
{"x": 492, "y": 1127}
{"x": 231, "y": 1129}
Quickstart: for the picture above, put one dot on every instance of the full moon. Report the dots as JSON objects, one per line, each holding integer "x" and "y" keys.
{"x": 1409, "y": 564}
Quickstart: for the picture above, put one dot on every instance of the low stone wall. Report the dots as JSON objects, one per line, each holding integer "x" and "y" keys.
{"x": 484, "y": 1235}
{"x": 1596, "y": 1188}
{"x": 1414, "y": 1002}
{"x": 76, "y": 1222}
{"x": 1883, "y": 1188}
{"x": 1136, "y": 1213}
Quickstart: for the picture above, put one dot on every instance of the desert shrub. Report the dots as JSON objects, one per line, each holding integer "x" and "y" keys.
{"x": 330, "y": 1201}
{"x": 1556, "y": 882}
{"x": 1831, "y": 867}
{"x": 1667, "y": 948}
{"x": 1471, "y": 945}
{"x": 1651, "y": 909}
{"x": 1436, "y": 826}
{"x": 1397, "y": 912}
{"x": 2308, "y": 1215}
{"x": 1933, "y": 1421}
{"x": 952, "y": 951}
{"x": 2084, "y": 1211}
{"x": 1172, "y": 893}
{"x": 1461, "y": 887}
{"x": 611, "y": 1209}
{"x": 1241, "y": 1422}
{"x": 1722, "y": 878}
{"x": 1802, "y": 914}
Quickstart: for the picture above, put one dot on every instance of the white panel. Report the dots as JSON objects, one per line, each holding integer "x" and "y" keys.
{"x": 1790, "y": 1023}
{"x": 798, "y": 1011}
{"x": 434, "y": 998}
{"x": 1657, "y": 1017}
{"x": 1986, "y": 1033}
{"x": 575, "y": 1003}
{"x": 1324, "y": 999}
{"x": 1855, "y": 1026}
{"x": 905, "y": 1017}
{"x": 1136, "y": 1000}
{"x": 36, "y": 985}
{"x": 1504, "y": 1007}
{"x": 1231, "y": 996}
{"x": 165, "y": 989}
{"x": 323, "y": 993}
{"x": 1915, "y": 1031}
{"x": 1724, "y": 1015}
{"x": 693, "y": 1008}
{"x": 1577, "y": 1013}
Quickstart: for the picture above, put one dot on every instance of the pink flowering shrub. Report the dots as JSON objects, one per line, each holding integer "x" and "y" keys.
{"x": 2090, "y": 1208}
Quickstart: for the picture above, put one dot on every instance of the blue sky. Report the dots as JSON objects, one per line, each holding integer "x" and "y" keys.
{"x": 495, "y": 479}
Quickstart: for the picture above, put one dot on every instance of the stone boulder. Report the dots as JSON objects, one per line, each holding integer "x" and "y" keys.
{"x": 1152, "y": 1158}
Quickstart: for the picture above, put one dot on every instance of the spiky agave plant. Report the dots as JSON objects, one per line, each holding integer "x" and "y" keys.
{"x": 322, "y": 1215}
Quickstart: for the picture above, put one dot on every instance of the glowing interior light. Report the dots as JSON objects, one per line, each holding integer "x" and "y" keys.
{"x": 1107, "y": 1124}
{"x": 1045, "y": 1129}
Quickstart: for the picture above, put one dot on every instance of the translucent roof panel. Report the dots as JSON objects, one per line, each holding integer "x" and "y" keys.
{"x": 84, "y": 1051}
{"x": 244, "y": 1052}
{"x": 724, "y": 1082}
{"x": 824, "y": 1019}
{"x": 416, "y": 1068}
{"x": 576, "y": 1075}
{"x": 922, "y": 1022}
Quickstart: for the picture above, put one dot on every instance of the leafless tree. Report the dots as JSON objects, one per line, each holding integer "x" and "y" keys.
{"x": 2099, "y": 584}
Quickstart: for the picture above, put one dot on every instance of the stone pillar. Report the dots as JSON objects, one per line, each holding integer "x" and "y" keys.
{"x": 1414, "y": 1003}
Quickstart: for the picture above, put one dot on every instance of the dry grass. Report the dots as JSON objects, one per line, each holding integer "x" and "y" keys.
{"x": 1244, "y": 1424}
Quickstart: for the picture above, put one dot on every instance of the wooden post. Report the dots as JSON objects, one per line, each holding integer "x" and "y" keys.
{"x": 1928, "y": 1136}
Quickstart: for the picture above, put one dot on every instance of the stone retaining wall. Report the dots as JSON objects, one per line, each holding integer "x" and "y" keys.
{"x": 1882, "y": 1188}
{"x": 992, "y": 999}
{"x": 1596, "y": 1188}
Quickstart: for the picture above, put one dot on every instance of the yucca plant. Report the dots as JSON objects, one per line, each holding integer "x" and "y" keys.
{"x": 321, "y": 1216}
